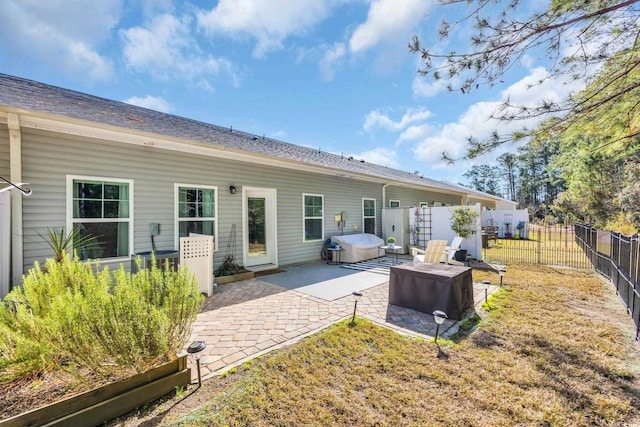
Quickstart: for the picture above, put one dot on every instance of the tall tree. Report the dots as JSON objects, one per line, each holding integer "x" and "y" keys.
{"x": 484, "y": 178}
{"x": 602, "y": 34}
{"x": 508, "y": 163}
{"x": 629, "y": 197}
{"x": 593, "y": 177}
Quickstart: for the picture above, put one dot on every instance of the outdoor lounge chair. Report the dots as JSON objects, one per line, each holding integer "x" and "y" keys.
{"x": 451, "y": 250}
{"x": 433, "y": 253}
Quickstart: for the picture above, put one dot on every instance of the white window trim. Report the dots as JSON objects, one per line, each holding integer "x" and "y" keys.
{"x": 304, "y": 218}
{"x": 176, "y": 216}
{"x": 375, "y": 220}
{"x": 391, "y": 202}
{"x": 130, "y": 220}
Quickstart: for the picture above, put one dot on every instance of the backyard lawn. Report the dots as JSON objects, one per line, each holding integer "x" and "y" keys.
{"x": 555, "y": 252}
{"x": 554, "y": 348}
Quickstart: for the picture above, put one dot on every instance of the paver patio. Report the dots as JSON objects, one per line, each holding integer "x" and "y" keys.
{"x": 245, "y": 319}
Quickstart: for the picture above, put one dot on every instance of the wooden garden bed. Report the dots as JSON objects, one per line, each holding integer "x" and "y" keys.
{"x": 110, "y": 401}
{"x": 221, "y": 280}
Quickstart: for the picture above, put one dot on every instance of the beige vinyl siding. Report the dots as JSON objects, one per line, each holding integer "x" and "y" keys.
{"x": 49, "y": 157}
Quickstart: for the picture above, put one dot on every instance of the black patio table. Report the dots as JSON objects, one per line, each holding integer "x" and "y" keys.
{"x": 428, "y": 287}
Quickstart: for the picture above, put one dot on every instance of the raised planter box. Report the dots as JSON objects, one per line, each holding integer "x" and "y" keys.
{"x": 221, "y": 280}
{"x": 110, "y": 401}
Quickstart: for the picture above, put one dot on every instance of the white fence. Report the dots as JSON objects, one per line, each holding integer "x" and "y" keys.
{"x": 435, "y": 223}
{"x": 196, "y": 254}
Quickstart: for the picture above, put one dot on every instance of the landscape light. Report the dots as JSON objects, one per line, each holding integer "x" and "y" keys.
{"x": 356, "y": 297}
{"x": 195, "y": 348}
{"x": 502, "y": 271}
{"x": 439, "y": 317}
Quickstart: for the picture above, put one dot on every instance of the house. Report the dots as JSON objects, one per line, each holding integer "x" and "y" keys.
{"x": 139, "y": 179}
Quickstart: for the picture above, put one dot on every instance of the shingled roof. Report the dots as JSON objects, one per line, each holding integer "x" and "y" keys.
{"x": 19, "y": 93}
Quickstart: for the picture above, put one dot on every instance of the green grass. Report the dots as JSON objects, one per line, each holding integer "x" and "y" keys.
{"x": 555, "y": 350}
{"x": 531, "y": 251}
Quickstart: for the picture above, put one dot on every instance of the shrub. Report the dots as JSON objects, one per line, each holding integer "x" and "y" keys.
{"x": 70, "y": 313}
{"x": 463, "y": 221}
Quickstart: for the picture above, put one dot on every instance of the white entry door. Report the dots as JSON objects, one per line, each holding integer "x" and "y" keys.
{"x": 260, "y": 225}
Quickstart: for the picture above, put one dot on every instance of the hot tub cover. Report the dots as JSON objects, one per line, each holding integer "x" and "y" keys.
{"x": 428, "y": 287}
{"x": 358, "y": 247}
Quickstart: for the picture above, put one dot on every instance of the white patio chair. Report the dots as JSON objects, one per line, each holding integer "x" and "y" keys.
{"x": 451, "y": 250}
{"x": 433, "y": 253}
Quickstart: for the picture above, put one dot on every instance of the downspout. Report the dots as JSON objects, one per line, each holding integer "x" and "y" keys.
{"x": 15, "y": 169}
{"x": 384, "y": 194}
{"x": 384, "y": 204}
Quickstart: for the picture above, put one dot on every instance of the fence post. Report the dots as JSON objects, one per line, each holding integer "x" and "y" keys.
{"x": 539, "y": 246}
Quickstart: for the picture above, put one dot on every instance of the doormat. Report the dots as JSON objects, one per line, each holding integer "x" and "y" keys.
{"x": 380, "y": 265}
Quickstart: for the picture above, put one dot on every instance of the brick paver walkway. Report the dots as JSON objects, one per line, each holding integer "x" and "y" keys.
{"x": 245, "y": 319}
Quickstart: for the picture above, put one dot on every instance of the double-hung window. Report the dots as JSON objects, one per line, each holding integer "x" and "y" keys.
{"x": 369, "y": 215}
{"x": 313, "y": 205}
{"x": 196, "y": 210}
{"x": 101, "y": 208}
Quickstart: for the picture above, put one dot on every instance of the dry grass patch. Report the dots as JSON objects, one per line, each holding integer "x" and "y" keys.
{"x": 555, "y": 349}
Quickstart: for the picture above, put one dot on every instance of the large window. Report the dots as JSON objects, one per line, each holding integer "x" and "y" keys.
{"x": 196, "y": 209}
{"x": 101, "y": 208}
{"x": 369, "y": 215}
{"x": 313, "y": 217}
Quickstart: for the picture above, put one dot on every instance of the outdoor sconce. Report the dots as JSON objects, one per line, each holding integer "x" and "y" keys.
{"x": 356, "y": 297}
{"x": 195, "y": 348}
{"x": 439, "y": 317}
{"x": 232, "y": 189}
{"x": 502, "y": 271}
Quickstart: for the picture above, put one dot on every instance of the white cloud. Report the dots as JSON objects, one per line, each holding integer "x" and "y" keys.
{"x": 165, "y": 49}
{"x": 331, "y": 61}
{"x": 379, "y": 156}
{"x": 268, "y": 22}
{"x": 151, "y": 102}
{"x": 62, "y": 34}
{"x": 375, "y": 119}
{"x": 413, "y": 133}
{"x": 427, "y": 87}
{"x": 476, "y": 121}
{"x": 387, "y": 21}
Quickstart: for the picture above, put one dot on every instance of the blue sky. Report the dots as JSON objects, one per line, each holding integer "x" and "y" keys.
{"x": 329, "y": 74}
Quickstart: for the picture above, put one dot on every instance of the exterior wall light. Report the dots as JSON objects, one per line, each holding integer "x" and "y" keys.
{"x": 356, "y": 297}
{"x": 232, "y": 189}
{"x": 195, "y": 348}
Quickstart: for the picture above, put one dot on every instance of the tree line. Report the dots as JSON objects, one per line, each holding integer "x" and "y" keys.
{"x": 582, "y": 161}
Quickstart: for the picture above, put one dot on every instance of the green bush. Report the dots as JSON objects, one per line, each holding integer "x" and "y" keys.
{"x": 463, "y": 221}
{"x": 75, "y": 314}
